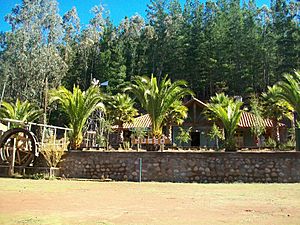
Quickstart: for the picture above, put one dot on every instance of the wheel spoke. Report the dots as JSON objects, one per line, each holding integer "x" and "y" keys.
{"x": 18, "y": 158}
{"x": 24, "y": 144}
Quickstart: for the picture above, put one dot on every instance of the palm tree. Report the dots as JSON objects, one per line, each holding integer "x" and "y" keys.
{"x": 229, "y": 113}
{"x": 276, "y": 108}
{"x": 258, "y": 127}
{"x": 120, "y": 108}
{"x": 23, "y": 111}
{"x": 288, "y": 91}
{"x": 175, "y": 115}
{"x": 78, "y": 106}
{"x": 157, "y": 98}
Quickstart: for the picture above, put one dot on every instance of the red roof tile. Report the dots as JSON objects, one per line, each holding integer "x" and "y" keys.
{"x": 141, "y": 121}
{"x": 248, "y": 119}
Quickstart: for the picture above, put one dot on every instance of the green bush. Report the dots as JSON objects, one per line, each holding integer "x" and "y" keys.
{"x": 287, "y": 146}
{"x": 270, "y": 143}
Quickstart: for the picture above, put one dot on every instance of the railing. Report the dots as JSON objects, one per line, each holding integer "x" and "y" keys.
{"x": 49, "y": 133}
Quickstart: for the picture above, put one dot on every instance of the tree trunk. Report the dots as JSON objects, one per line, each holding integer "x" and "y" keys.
{"x": 217, "y": 142}
{"x": 169, "y": 132}
{"x": 45, "y": 105}
{"x": 138, "y": 144}
{"x": 277, "y": 132}
{"x": 120, "y": 139}
{"x": 107, "y": 141}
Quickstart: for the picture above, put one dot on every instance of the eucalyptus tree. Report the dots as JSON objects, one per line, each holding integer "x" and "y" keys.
{"x": 157, "y": 98}
{"x": 89, "y": 47}
{"x": 227, "y": 112}
{"x": 31, "y": 50}
{"x": 70, "y": 48}
{"x": 71, "y": 26}
{"x": 78, "y": 106}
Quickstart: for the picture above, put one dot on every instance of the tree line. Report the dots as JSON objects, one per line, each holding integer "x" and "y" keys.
{"x": 216, "y": 46}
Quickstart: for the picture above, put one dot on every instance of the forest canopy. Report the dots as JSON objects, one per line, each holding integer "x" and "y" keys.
{"x": 223, "y": 45}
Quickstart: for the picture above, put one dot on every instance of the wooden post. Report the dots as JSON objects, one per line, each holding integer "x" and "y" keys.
{"x": 54, "y": 136}
{"x": 12, "y": 165}
{"x": 65, "y": 137}
{"x": 43, "y": 135}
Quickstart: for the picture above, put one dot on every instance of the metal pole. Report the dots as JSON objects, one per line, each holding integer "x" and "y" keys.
{"x": 140, "y": 170}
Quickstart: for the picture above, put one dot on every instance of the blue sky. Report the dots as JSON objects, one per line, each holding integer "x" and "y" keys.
{"x": 118, "y": 8}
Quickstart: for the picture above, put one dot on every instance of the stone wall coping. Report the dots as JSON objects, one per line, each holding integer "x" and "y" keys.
{"x": 283, "y": 154}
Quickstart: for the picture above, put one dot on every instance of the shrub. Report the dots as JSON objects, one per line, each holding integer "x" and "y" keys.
{"x": 287, "y": 146}
{"x": 270, "y": 143}
{"x": 53, "y": 152}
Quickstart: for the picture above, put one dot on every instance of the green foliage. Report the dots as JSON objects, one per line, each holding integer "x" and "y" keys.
{"x": 216, "y": 134}
{"x": 23, "y": 111}
{"x": 228, "y": 112}
{"x": 176, "y": 113}
{"x": 288, "y": 91}
{"x": 31, "y": 53}
{"x": 157, "y": 98}
{"x": 215, "y": 46}
{"x": 139, "y": 133}
{"x": 276, "y": 108}
{"x": 258, "y": 126}
{"x": 126, "y": 145}
{"x": 78, "y": 106}
{"x": 183, "y": 135}
{"x": 120, "y": 109}
{"x": 288, "y": 145}
{"x": 107, "y": 124}
{"x": 270, "y": 143}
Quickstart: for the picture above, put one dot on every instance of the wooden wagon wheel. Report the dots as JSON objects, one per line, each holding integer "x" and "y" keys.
{"x": 25, "y": 145}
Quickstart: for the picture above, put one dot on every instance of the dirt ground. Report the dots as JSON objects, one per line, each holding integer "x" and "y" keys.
{"x": 90, "y": 202}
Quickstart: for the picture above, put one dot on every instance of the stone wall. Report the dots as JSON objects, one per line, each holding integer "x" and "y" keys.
{"x": 184, "y": 166}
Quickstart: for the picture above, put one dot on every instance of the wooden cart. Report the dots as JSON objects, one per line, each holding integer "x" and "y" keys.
{"x": 20, "y": 145}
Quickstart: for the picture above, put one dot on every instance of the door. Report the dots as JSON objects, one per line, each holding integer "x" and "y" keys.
{"x": 195, "y": 136}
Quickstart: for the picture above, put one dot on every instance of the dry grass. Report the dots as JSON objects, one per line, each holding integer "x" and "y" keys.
{"x": 53, "y": 152}
{"x": 86, "y": 202}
